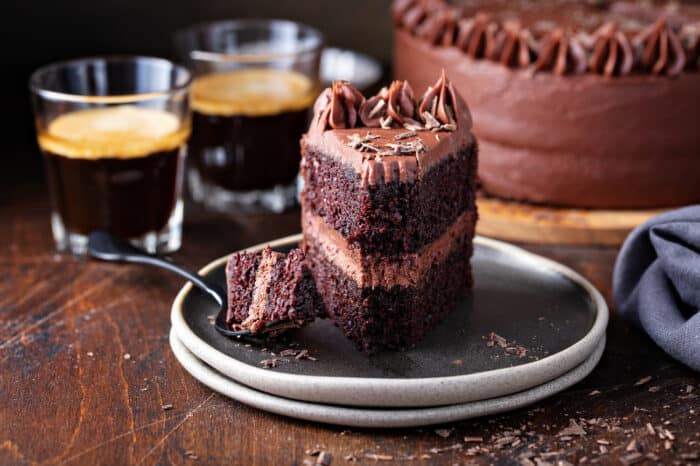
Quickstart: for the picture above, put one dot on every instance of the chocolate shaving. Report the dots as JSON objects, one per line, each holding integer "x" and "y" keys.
{"x": 406, "y": 135}
{"x": 269, "y": 363}
{"x": 362, "y": 143}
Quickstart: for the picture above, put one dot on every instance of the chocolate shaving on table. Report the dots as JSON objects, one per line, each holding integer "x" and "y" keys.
{"x": 561, "y": 53}
{"x": 659, "y": 49}
{"x": 437, "y": 108}
{"x": 338, "y": 107}
{"x": 513, "y": 46}
{"x": 611, "y": 52}
{"x": 476, "y": 35}
{"x": 391, "y": 107}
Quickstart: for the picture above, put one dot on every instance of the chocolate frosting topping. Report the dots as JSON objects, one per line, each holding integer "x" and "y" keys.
{"x": 690, "y": 38}
{"x": 562, "y": 54}
{"x": 343, "y": 107}
{"x": 439, "y": 105}
{"x": 390, "y": 107}
{"x": 440, "y": 27}
{"x": 611, "y": 52}
{"x": 660, "y": 49}
{"x": 338, "y": 106}
{"x": 513, "y": 46}
{"x": 476, "y": 35}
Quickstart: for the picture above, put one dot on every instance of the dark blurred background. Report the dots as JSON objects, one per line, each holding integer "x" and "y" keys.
{"x": 35, "y": 33}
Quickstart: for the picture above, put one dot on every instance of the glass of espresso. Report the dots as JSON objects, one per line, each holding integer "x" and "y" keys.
{"x": 255, "y": 81}
{"x": 113, "y": 133}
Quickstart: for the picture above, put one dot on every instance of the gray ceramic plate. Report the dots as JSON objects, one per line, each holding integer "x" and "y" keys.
{"x": 550, "y": 310}
{"x": 377, "y": 418}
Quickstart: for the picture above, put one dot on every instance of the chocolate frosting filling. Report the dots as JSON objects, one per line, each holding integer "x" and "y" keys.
{"x": 380, "y": 271}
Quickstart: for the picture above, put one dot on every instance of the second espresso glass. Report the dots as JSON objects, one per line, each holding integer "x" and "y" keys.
{"x": 255, "y": 81}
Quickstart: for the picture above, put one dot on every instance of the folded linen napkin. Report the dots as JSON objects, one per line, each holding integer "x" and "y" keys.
{"x": 657, "y": 282}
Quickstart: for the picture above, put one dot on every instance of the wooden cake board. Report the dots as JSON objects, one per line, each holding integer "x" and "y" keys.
{"x": 526, "y": 223}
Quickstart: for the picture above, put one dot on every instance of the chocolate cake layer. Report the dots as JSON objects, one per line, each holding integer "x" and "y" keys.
{"x": 395, "y": 317}
{"x": 395, "y": 216}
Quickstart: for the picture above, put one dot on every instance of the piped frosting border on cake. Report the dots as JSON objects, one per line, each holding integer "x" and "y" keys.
{"x": 662, "y": 47}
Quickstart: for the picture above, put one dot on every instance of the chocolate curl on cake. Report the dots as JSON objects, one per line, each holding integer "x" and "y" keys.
{"x": 391, "y": 107}
{"x": 659, "y": 49}
{"x": 439, "y": 106}
{"x": 476, "y": 35}
{"x": 338, "y": 106}
{"x": 690, "y": 38}
{"x": 611, "y": 52}
{"x": 513, "y": 46}
{"x": 562, "y": 54}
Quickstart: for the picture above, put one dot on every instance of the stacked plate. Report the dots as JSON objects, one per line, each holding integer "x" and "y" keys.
{"x": 530, "y": 328}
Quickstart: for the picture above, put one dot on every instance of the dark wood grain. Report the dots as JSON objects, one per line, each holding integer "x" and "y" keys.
{"x": 85, "y": 370}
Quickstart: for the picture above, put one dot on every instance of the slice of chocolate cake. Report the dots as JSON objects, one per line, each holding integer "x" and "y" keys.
{"x": 388, "y": 209}
{"x": 266, "y": 287}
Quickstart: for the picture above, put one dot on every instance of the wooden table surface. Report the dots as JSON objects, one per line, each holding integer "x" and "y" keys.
{"x": 86, "y": 370}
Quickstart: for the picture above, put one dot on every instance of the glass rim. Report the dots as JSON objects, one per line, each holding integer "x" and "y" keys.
{"x": 36, "y": 87}
{"x": 237, "y": 24}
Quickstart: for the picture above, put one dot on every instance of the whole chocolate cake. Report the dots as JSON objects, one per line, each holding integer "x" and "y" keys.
{"x": 576, "y": 103}
{"x": 388, "y": 209}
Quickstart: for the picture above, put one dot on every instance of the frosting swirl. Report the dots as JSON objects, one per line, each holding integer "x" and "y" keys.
{"x": 513, "y": 46}
{"x": 690, "y": 38}
{"x": 660, "y": 50}
{"x": 439, "y": 106}
{"x": 611, "y": 52}
{"x": 390, "y": 107}
{"x": 475, "y": 35}
{"x": 337, "y": 107}
{"x": 561, "y": 53}
{"x": 440, "y": 27}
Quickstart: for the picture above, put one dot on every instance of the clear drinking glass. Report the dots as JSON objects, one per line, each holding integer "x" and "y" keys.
{"x": 113, "y": 133}
{"x": 255, "y": 81}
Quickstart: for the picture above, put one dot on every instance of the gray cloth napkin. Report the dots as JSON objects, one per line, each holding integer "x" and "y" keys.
{"x": 657, "y": 282}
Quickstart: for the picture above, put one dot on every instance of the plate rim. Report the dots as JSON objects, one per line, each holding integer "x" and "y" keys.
{"x": 414, "y": 391}
{"x": 379, "y": 418}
